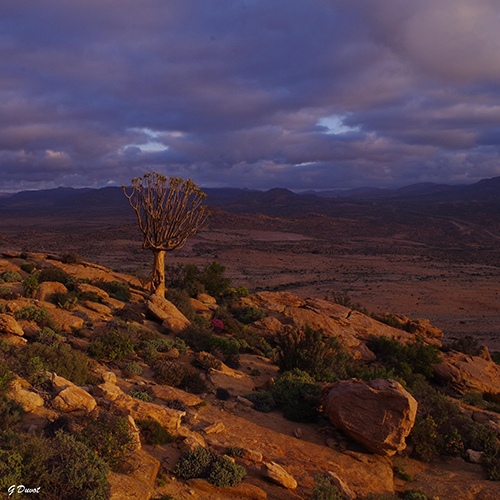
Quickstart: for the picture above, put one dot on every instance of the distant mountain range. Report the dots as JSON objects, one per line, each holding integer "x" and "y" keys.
{"x": 481, "y": 199}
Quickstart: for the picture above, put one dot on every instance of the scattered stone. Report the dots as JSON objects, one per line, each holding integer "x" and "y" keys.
{"x": 378, "y": 414}
{"x": 86, "y": 288}
{"x": 474, "y": 457}
{"x": 74, "y": 399}
{"x": 280, "y": 476}
{"x": 167, "y": 393}
{"x": 172, "y": 319}
{"x": 215, "y": 428}
{"x": 244, "y": 401}
{"x": 345, "y": 492}
{"x": 298, "y": 433}
{"x": 252, "y": 455}
{"x": 9, "y": 325}
{"x": 20, "y": 393}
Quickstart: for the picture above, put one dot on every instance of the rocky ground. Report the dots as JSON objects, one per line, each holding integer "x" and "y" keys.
{"x": 281, "y": 457}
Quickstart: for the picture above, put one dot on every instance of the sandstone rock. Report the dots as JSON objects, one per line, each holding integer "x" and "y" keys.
{"x": 135, "y": 442}
{"x": 14, "y": 339}
{"x": 274, "y": 301}
{"x": 172, "y": 319}
{"x": 191, "y": 442}
{"x": 469, "y": 373}
{"x": 280, "y": 476}
{"x": 86, "y": 288}
{"x": 244, "y": 491}
{"x": 378, "y": 414}
{"x": 141, "y": 410}
{"x": 48, "y": 289}
{"x": 252, "y": 455}
{"x": 20, "y": 393}
{"x": 9, "y": 325}
{"x": 202, "y": 309}
{"x": 167, "y": 393}
{"x": 108, "y": 377}
{"x": 113, "y": 303}
{"x": 108, "y": 391}
{"x": 59, "y": 383}
{"x": 215, "y": 428}
{"x": 345, "y": 492}
{"x": 98, "y": 308}
{"x": 65, "y": 321}
{"x": 74, "y": 399}
{"x": 474, "y": 457}
{"x": 207, "y": 299}
{"x": 138, "y": 483}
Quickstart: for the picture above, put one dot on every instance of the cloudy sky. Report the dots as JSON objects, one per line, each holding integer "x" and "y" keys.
{"x": 303, "y": 94}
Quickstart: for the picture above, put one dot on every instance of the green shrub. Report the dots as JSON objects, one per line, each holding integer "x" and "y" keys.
{"x": 48, "y": 336}
{"x": 234, "y": 451}
{"x": 192, "y": 381}
{"x": 473, "y": 398}
{"x": 39, "y": 315}
{"x": 116, "y": 289}
{"x": 146, "y": 396}
{"x": 11, "y": 413}
{"x": 224, "y": 472}
{"x": 28, "y": 267}
{"x": 30, "y": 284}
{"x": 132, "y": 369}
{"x": 108, "y": 435}
{"x": 71, "y": 258}
{"x": 169, "y": 372}
{"x": 414, "y": 495}
{"x": 181, "y": 300}
{"x": 262, "y": 401}
{"x": 6, "y": 378}
{"x": 297, "y": 394}
{"x": 153, "y": 433}
{"x": 321, "y": 356}
{"x": 468, "y": 345}
{"x": 62, "y": 466}
{"x": 56, "y": 357}
{"x": 54, "y": 274}
{"x": 247, "y": 315}
{"x": 5, "y": 292}
{"x": 405, "y": 360}
{"x": 111, "y": 345}
{"x": 197, "y": 337}
{"x": 194, "y": 463}
{"x": 66, "y": 300}
{"x": 11, "y": 276}
{"x": 344, "y": 299}
{"x": 207, "y": 361}
{"x": 325, "y": 489}
{"x": 227, "y": 350}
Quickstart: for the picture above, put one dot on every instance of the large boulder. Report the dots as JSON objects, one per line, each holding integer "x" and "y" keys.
{"x": 469, "y": 373}
{"x": 48, "y": 289}
{"x": 70, "y": 397}
{"x": 20, "y": 392}
{"x": 9, "y": 325}
{"x": 378, "y": 414}
{"x": 172, "y": 319}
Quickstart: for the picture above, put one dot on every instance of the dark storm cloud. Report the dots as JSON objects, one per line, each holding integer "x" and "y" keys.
{"x": 301, "y": 94}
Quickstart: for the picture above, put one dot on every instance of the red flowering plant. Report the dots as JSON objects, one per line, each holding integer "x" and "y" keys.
{"x": 217, "y": 325}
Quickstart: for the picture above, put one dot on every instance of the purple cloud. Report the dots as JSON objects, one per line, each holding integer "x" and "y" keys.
{"x": 296, "y": 93}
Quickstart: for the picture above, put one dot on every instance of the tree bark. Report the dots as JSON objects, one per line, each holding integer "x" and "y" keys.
{"x": 158, "y": 280}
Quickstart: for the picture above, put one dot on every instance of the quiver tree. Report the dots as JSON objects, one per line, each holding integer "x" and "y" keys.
{"x": 169, "y": 211}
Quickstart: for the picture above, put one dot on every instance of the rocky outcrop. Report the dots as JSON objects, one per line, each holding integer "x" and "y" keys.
{"x": 378, "y": 414}
{"x": 72, "y": 399}
{"x": 138, "y": 482}
{"x": 469, "y": 373}
{"x": 172, "y": 319}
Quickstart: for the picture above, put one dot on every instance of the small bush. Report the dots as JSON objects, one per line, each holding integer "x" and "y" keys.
{"x": 176, "y": 404}
{"x": 468, "y": 345}
{"x": 132, "y": 369}
{"x": 194, "y": 463}
{"x": 56, "y": 357}
{"x": 325, "y": 489}
{"x": 28, "y": 267}
{"x": 108, "y": 435}
{"x": 111, "y": 346}
{"x": 145, "y": 396}
{"x": 247, "y": 315}
{"x": 181, "y": 300}
{"x": 206, "y": 361}
{"x": 414, "y": 495}
{"x": 168, "y": 372}
{"x": 11, "y": 413}
{"x": 71, "y": 258}
{"x": 262, "y": 401}
{"x": 66, "y": 300}
{"x": 54, "y": 274}
{"x": 224, "y": 472}
{"x": 297, "y": 394}
{"x": 197, "y": 337}
{"x": 11, "y": 276}
{"x": 234, "y": 451}
{"x": 30, "y": 284}
{"x": 153, "y": 433}
{"x": 48, "y": 336}
{"x": 192, "y": 381}
{"x": 116, "y": 289}
{"x": 6, "y": 378}
{"x": 323, "y": 357}
{"x": 39, "y": 315}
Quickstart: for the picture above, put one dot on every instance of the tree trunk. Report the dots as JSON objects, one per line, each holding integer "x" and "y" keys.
{"x": 158, "y": 280}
